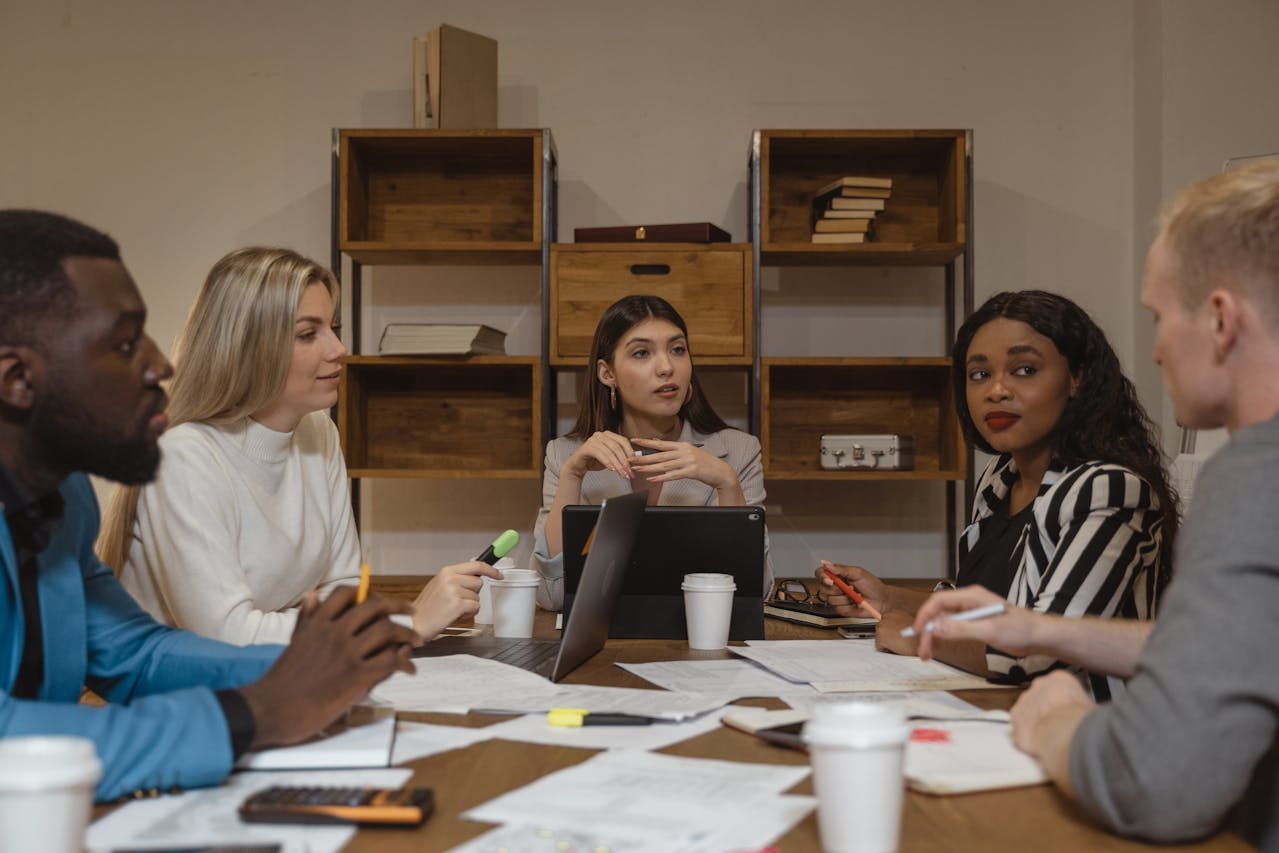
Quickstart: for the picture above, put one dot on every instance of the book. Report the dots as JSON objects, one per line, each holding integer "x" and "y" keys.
{"x": 846, "y": 214}
{"x": 839, "y": 238}
{"x": 844, "y": 226}
{"x": 441, "y": 339}
{"x": 842, "y": 203}
{"x": 853, "y": 192}
{"x": 812, "y": 613}
{"x": 679, "y": 232}
{"x": 343, "y": 745}
{"x": 856, "y": 181}
{"x": 454, "y": 79}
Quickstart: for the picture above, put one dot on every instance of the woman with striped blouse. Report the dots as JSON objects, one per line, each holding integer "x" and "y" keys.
{"x": 1074, "y": 514}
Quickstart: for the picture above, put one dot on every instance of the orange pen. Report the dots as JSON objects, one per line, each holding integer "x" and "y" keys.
{"x": 848, "y": 590}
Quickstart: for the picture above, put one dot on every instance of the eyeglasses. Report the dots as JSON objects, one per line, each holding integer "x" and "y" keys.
{"x": 795, "y": 589}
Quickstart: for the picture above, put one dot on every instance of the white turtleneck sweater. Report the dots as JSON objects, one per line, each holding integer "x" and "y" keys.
{"x": 240, "y": 523}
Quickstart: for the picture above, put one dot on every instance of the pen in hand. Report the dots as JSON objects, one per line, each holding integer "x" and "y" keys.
{"x": 848, "y": 590}
{"x": 363, "y": 591}
{"x": 501, "y": 546}
{"x": 963, "y": 616}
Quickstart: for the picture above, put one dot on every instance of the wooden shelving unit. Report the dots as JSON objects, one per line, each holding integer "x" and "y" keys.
{"x": 456, "y": 197}
{"x": 926, "y": 222}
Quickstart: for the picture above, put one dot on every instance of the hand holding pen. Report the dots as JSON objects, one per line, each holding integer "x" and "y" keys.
{"x": 974, "y": 613}
{"x": 864, "y": 591}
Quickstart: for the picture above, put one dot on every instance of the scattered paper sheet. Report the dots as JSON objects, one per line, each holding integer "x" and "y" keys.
{"x": 533, "y": 728}
{"x": 208, "y": 816}
{"x": 673, "y": 803}
{"x": 457, "y": 683}
{"x": 368, "y": 745}
{"x": 418, "y": 740}
{"x": 734, "y": 678}
{"x": 854, "y": 667}
{"x": 958, "y": 757}
{"x": 923, "y": 704}
{"x": 540, "y": 839}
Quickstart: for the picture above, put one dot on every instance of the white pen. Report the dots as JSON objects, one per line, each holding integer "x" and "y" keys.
{"x": 962, "y": 616}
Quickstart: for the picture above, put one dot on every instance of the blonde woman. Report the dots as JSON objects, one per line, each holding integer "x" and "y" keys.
{"x": 251, "y": 507}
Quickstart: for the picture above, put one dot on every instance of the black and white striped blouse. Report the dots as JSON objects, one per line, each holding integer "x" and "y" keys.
{"x": 1092, "y": 549}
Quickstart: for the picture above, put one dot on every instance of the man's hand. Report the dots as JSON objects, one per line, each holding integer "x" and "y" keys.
{"x": 867, "y": 585}
{"x": 449, "y": 596}
{"x": 1045, "y": 719}
{"x": 338, "y": 652}
{"x": 1011, "y": 632}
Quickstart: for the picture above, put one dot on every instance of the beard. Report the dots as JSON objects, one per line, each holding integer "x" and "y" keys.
{"x": 71, "y": 435}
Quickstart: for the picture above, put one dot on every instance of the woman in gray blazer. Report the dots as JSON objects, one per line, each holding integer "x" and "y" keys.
{"x": 641, "y": 397}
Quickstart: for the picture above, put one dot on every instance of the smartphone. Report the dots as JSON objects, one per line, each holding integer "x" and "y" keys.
{"x": 298, "y": 804}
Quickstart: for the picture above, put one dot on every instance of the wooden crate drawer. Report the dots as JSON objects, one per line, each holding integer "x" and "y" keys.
{"x": 804, "y": 399}
{"x": 434, "y": 417}
{"x": 709, "y": 285}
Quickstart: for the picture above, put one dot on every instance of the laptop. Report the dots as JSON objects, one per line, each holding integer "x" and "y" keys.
{"x": 586, "y": 628}
{"x": 675, "y": 540}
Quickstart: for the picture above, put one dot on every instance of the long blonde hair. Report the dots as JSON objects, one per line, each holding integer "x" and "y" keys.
{"x": 231, "y": 359}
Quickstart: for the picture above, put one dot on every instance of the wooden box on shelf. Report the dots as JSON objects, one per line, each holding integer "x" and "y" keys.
{"x": 805, "y": 398}
{"x": 420, "y": 416}
{"x": 440, "y": 196}
{"x": 710, "y": 285}
{"x": 924, "y": 221}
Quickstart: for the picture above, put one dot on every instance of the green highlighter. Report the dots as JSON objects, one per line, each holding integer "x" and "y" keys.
{"x": 501, "y": 546}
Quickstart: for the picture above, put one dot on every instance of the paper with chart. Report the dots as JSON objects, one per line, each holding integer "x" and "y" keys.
{"x": 673, "y": 804}
{"x": 958, "y": 757}
{"x": 208, "y": 816}
{"x": 852, "y": 667}
{"x": 733, "y": 678}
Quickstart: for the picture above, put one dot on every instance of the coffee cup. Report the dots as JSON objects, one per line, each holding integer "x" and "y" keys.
{"x": 514, "y": 601}
{"x": 857, "y": 751}
{"x": 46, "y": 793}
{"x": 484, "y": 616}
{"x": 708, "y": 608}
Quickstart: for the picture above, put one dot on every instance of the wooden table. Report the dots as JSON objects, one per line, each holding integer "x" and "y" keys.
{"x": 1036, "y": 818}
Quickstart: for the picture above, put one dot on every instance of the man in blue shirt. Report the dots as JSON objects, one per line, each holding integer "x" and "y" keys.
{"x": 80, "y": 394}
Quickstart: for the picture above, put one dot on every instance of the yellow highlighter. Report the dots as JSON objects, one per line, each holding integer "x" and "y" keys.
{"x": 577, "y": 717}
{"x": 363, "y": 591}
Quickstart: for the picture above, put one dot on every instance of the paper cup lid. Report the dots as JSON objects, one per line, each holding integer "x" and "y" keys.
{"x": 708, "y": 580}
{"x": 36, "y": 763}
{"x": 856, "y": 725}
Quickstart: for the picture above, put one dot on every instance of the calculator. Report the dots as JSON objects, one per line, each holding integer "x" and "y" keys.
{"x": 378, "y": 806}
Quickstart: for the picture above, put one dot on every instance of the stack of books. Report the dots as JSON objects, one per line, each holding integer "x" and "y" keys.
{"x": 844, "y": 210}
{"x": 441, "y": 339}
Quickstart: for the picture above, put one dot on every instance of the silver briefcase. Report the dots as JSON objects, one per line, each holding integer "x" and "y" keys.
{"x": 841, "y": 452}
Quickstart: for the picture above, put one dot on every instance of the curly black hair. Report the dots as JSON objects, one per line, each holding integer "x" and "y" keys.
{"x": 33, "y": 284}
{"x": 1104, "y": 421}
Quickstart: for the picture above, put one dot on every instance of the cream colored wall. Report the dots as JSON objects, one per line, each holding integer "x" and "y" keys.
{"x": 188, "y": 128}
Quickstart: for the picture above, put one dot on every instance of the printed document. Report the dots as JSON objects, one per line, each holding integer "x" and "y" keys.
{"x": 736, "y": 679}
{"x": 854, "y": 667}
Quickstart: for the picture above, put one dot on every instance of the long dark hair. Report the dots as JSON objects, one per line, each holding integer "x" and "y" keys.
{"x": 1104, "y": 421}
{"x": 596, "y": 411}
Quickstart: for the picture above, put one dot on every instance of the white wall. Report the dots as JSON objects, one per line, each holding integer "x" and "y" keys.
{"x": 188, "y": 128}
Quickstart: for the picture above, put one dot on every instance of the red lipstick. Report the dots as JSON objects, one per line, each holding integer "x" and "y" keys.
{"x": 1000, "y": 421}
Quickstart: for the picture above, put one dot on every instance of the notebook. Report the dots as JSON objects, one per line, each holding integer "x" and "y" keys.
{"x": 675, "y": 540}
{"x": 586, "y": 628}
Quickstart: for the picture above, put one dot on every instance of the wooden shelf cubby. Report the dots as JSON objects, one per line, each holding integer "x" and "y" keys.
{"x": 418, "y": 416}
{"x": 924, "y": 222}
{"x": 806, "y": 398}
{"x": 709, "y": 284}
{"x": 450, "y": 197}
{"x": 440, "y": 196}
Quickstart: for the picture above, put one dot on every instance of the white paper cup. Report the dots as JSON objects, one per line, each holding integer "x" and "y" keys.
{"x": 46, "y": 793}
{"x": 484, "y": 616}
{"x": 857, "y": 750}
{"x": 708, "y": 608}
{"x": 514, "y": 602}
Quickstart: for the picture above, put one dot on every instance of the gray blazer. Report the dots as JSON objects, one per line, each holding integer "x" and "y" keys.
{"x": 740, "y": 450}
